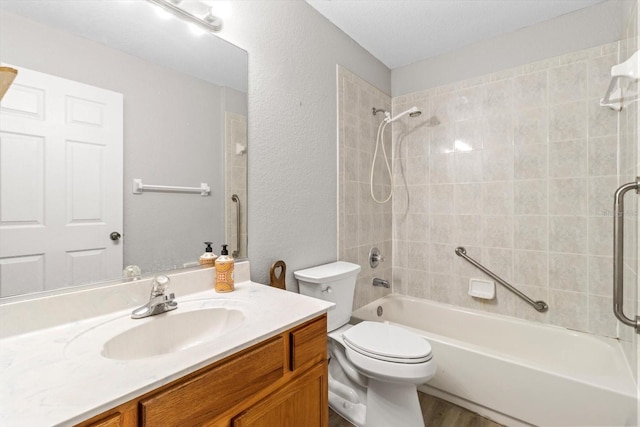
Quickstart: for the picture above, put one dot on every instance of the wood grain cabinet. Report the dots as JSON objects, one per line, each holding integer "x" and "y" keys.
{"x": 281, "y": 382}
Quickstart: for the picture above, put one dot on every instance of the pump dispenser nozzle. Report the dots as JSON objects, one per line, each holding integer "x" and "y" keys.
{"x": 208, "y": 258}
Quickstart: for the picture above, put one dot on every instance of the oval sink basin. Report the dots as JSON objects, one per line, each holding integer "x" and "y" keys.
{"x": 172, "y": 332}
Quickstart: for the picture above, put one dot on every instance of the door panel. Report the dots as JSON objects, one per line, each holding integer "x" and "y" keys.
{"x": 22, "y": 274}
{"x": 60, "y": 182}
{"x": 22, "y": 167}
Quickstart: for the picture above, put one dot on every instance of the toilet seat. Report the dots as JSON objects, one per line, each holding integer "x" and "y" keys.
{"x": 388, "y": 343}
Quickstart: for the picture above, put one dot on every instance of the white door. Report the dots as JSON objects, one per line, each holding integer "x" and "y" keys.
{"x": 60, "y": 183}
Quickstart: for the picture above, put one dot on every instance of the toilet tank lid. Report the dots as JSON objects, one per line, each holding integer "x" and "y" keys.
{"x": 327, "y": 272}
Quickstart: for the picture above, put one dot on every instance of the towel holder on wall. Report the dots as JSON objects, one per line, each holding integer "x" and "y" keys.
{"x": 236, "y": 200}
{"x": 139, "y": 187}
{"x": 540, "y": 306}
{"x": 617, "y": 95}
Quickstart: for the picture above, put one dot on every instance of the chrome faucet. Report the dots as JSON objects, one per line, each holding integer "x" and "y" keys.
{"x": 380, "y": 282}
{"x": 159, "y": 301}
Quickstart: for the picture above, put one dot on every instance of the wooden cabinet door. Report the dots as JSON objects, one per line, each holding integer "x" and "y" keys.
{"x": 206, "y": 396}
{"x": 302, "y": 403}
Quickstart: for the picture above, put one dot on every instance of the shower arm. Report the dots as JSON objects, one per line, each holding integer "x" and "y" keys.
{"x": 540, "y": 306}
{"x": 411, "y": 111}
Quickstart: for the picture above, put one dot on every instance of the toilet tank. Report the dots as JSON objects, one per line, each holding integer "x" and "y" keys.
{"x": 334, "y": 282}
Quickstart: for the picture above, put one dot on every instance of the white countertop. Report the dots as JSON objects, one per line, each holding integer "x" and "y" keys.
{"x": 56, "y": 375}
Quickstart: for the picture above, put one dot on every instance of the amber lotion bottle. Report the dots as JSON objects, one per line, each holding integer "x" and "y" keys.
{"x": 224, "y": 271}
{"x": 208, "y": 258}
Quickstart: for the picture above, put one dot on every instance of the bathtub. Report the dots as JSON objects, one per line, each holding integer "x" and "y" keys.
{"x": 513, "y": 371}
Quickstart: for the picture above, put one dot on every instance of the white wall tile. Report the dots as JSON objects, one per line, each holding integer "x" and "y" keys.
{"x": 568, "y": 234}
{"x": 468, "y": 166}
{"x": 568, "y": 159}
{"x": 520, "y": 170}
{"x": 568, "y": 196}
{"x": 568, "y": 309}
{"x": 497, "y": 164}
{"x": 497, "y": 198}
{"x": 530, "y": 161}
{"x": 568, "y": 272}
{"x": 442, "y": 168}
{"x": 568, "y": 121}
{"x": 568, "y": 83}
{"x": 531, "y": 126}
{"x": 530, "y": 268}
{"x": 531, "y": 197}
{"x": 603, "y": 156}
{"x": 602, "y": 121}
{"x": 468, "y": 198}
{"x": 530, "y": 232}
{"x": 530, "y": 90}
{"x": 497, "y": 231}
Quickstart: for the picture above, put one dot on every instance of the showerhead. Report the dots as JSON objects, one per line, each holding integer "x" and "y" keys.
{"x": 413, "y": 112}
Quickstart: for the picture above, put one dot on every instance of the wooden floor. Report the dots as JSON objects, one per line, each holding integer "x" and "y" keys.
{"x": 436, "y": 413}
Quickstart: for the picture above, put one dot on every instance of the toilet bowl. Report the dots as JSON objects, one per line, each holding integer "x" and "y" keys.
{"x": 374, "y": 368}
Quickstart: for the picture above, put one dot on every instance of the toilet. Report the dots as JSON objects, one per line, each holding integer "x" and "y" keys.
{"x": 374, "y": 367}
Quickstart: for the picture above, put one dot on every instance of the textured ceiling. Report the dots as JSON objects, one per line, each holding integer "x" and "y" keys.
{"x": 401, "y": 32}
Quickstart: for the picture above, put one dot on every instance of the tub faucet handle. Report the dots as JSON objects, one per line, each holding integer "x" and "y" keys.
{"x": 375, "y": 257}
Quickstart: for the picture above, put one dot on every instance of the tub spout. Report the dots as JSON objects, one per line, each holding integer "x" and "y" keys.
{"x": 380, "y": 282}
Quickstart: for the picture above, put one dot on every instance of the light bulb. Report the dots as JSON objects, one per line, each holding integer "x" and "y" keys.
{"x": 213, "y": 20}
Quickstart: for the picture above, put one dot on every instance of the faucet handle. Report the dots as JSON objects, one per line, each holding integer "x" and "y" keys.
{"x": 160, "y": 284}
{"x": 375, "y": 257}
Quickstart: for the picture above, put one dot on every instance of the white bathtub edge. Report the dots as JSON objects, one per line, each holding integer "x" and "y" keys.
{"x": 578, "y": 398}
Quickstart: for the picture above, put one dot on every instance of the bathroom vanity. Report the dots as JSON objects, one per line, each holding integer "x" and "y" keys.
{"x": 253, "y": 357}
{"x": 280, "y": 381}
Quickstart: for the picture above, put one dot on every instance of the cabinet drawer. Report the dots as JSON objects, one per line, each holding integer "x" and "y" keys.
{"x": 209, "y": 394}
{"x": 114, "y": 420}
{"x": 309, "y": 343}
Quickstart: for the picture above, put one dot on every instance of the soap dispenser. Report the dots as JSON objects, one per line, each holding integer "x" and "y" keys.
{"x": 208, "y": 258}
{"x": 224, "y": 271}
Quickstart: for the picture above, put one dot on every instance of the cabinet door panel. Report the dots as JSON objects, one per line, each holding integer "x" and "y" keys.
{"x": 309, "y": 343}
{"x": 208, "y": 395}
{"x": 303, "y": 403}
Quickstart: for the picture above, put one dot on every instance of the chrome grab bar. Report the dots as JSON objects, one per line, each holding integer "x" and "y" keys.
{"x": 540, "y": 306}
{"x": 618, "y": 254}
{"x": 236, "y": 200}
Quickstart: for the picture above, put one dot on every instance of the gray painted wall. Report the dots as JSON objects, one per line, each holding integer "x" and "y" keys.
{"x": 582, "y": 29}
{"x": 293, "y": 52}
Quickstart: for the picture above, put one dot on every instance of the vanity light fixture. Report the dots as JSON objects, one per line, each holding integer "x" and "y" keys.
{"x": 191, "y": 11}
{"x": 7, "y": 75}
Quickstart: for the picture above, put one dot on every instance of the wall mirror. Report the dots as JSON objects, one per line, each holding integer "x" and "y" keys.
{"x": 92, "y": 72}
